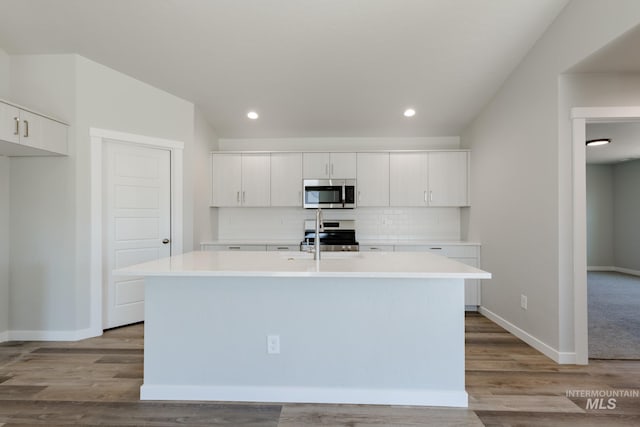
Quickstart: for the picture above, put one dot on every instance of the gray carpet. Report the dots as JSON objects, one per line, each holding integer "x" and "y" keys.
{"x": 614, "y": 315}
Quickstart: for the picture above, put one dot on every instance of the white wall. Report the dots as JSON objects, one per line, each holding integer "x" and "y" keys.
{"x": 4, "y": 210}
{"x": 600, "y": 215}
{"x": 50, "y": 199}
{"x": 521, "y": 175}
{"x": 4, "y": 74}
{"x": 111, "y": 100}
{"x": 4, "y": 245}
{"x": 626, "y": 177}
{"x": 43, "y": 265}
{"x": 338, "y": 144}
{"x": 204, "y": 218}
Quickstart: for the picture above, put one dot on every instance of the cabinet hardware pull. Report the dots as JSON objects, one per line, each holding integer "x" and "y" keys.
{"x": 26, "y": 129}
{"x": 283, "y": 248}
{"x": 165, "y": 241}
{"x": 431, "y": 196}
{"x": 425, "y": 195}
{"x": 300, "y": 196}
{"x": 234, "y": 247}
{"x": 238, "y": 197}
{"x": 244, "y": 197}
{"x": 17, "y": 132}
{"x": 436, "y": 249}
{"x": 359, "y": 198}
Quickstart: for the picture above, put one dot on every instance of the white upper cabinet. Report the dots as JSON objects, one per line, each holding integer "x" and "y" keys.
{"x": 240, "y": 180}
{"x": 9, "y": 123}
{"x": 256, "y": 180}
{"x": 448, "y": 178}
{"x": 438, "y": 178}
{"x": 408, "y": 176}
{"x": 23, "y": 133}
{"x": 286, "y": 179}
{"x": 343, "y": 165}
{"x": 373, "y": 179}
{"x": 329, "y": 165}
{"x": 226, "y": 180}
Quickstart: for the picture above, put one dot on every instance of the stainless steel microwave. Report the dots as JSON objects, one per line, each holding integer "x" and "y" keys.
{"x": 329, "y": 193}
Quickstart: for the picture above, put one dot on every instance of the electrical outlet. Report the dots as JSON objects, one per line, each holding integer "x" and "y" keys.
{"x": 523, "y": 301}
{"x": 273, "y": 344}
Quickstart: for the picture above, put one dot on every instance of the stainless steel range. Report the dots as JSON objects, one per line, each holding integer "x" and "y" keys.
{"x": 337, "y": 236}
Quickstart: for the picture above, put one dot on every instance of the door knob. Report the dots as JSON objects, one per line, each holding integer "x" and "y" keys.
{"x": 165, "y": 241}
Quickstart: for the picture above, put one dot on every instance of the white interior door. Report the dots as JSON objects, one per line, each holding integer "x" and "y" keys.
{"x": 137, "y": 224}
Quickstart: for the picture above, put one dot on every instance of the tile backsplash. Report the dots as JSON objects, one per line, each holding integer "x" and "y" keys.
{"x": 371, "y": 223}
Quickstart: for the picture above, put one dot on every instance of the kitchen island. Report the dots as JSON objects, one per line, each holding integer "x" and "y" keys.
{"x": 361, "y": 328}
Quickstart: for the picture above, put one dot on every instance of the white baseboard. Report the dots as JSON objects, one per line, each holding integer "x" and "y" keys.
{"x": 52, "y": 335}
{"x": 4, "y": 336}
{"x": 555, "y": 355}
{"x": 449, "y": 398}
{"x": 615, "y": 269}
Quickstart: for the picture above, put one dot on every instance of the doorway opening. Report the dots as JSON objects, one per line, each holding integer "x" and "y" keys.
{"x": 580, "y": 118}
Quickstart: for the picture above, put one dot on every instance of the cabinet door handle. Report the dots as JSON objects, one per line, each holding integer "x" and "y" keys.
{"x": 26, "y": 129}
{"x": 283, "y": 248}
{"x": 331, "y": 169}
{"x": 299, "y": 196}
{"x": 425, "y": 195}
{"x": 236, "y": 248}
{"x": 359, "y": 198}
{"x": 17, "y": 132}
{"x": 431, "y": 196}
{"x": 238, "y": 197}
{"x": 165, "y": 241}
{"x": 244, "y": 197}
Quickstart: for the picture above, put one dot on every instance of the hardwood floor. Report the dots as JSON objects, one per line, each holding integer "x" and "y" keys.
{"x": 96, "y": 382}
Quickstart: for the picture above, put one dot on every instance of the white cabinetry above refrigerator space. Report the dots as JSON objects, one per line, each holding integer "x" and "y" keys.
{"x": 240, "y": 180}
{"x": 329, "y": 165}
{"x": 25, "y": 133}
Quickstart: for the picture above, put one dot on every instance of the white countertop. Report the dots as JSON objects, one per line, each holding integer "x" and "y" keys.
{"x": 300, "y": 264}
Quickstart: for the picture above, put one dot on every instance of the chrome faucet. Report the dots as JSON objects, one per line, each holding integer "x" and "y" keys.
{"x": 319, "y": 228}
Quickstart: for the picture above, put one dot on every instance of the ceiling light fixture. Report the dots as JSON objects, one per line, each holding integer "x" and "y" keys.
{"x": 409, "y": 112}
{"x": 252, "y": 115}
{"x": 599, "y": 141}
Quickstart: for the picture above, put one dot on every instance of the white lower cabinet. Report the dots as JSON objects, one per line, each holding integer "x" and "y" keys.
{"x": 376, "y": 248}
{"x": 283, "y": 248}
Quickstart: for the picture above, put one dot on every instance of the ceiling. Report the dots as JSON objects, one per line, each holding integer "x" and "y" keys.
{"x": 624, "y": 146}
{"x": 310, "y": 68}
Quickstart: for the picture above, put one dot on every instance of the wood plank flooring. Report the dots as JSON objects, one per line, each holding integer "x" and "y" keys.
{"x": 97, "y": 381}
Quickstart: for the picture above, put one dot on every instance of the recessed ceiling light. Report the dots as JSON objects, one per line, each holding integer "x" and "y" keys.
{"x": 599, "y": 141}
{"x": 252, "y": 115}
{"x": 409, "y": 112}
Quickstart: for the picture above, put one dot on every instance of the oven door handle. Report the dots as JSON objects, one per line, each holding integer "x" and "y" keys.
{"x": 344, "y": 194}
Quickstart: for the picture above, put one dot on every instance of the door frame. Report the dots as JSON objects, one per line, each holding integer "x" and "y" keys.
{"x": 580, "y": 116}
{"x": 98, "y": 138}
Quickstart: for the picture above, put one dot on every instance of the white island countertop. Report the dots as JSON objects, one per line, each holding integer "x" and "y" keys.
{"x": 300, "y": 264}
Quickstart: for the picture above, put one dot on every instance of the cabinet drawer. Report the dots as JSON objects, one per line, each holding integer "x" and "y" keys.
{"x": 283, "y": 248}
{"x": 234, "y": 247}
{"x": 452, "y": 251}
{"x": 376, "y": 248}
